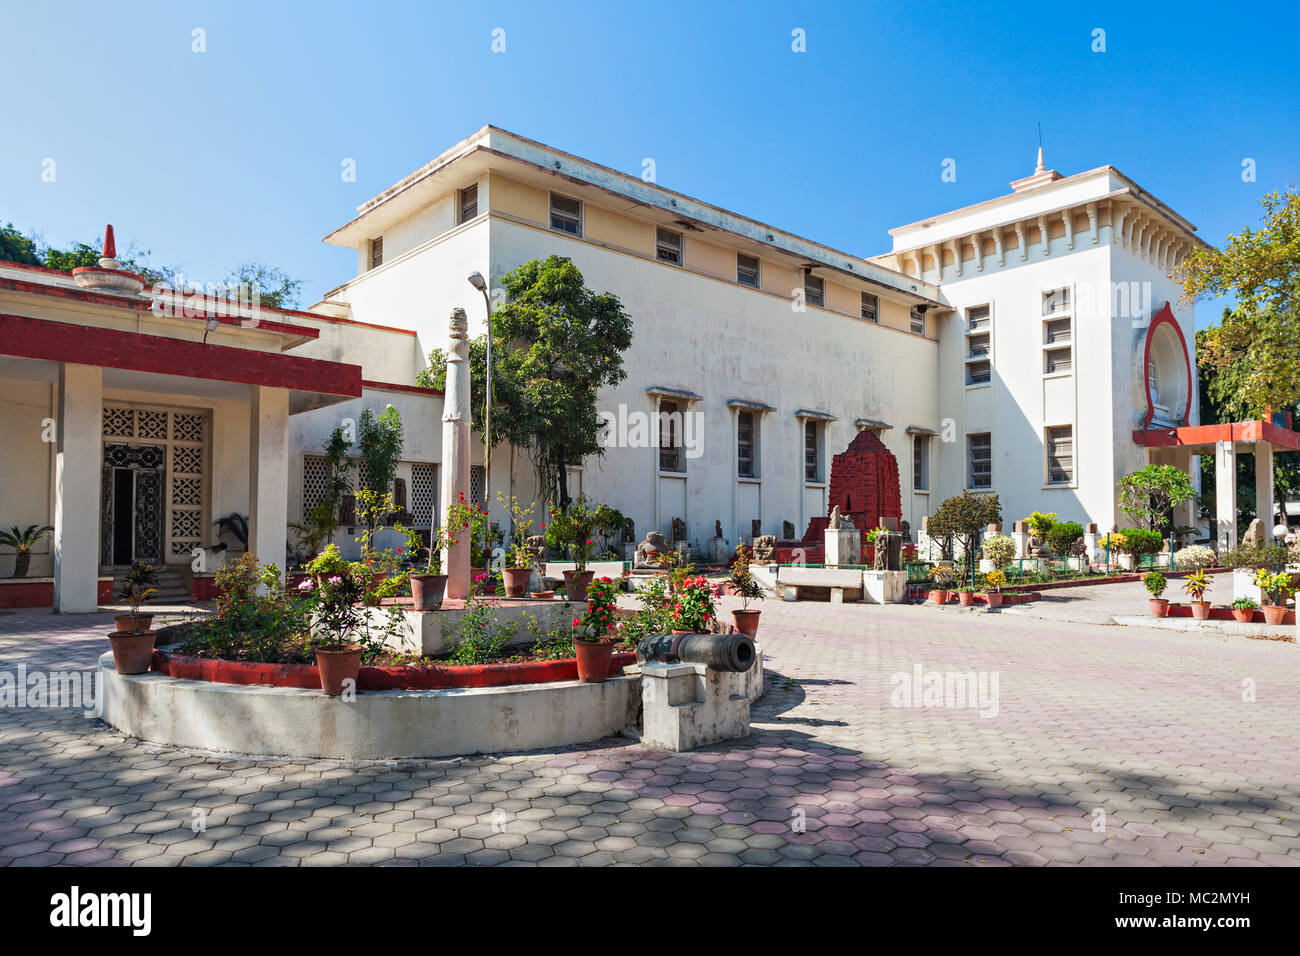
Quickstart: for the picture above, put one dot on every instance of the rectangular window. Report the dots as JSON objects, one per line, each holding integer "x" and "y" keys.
{"x": 745, "y": 435}
{"x": 977, "y": 346}
{"x": 811, "y": 452}
{"x": 979, "y": 372}
{"x": 814, "y": 290}
{"x": 870, "y": 307}
{"x": 668, "y": 246}
{"x": 1056, "y": 361}
{"x": 979, "y": 454}
{"x": 670, "y": 437}
{"x": 1056, "y": 332}
{"x": 1060, "y": 455}
{"x": 469, "y": 203}
{"x": 566, "y": 215}
{"x": 747, "y": 269}
{"x": 1056, "y": 300}
{"x": 977, "y": 318}
{"x": 376, "y": 252}
{"x": 920, "y": 462}
{"x": 917, "y": 320}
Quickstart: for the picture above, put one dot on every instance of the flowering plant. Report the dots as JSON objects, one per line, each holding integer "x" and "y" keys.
{"x": 742, "y": 582}
{"x": 995, "y": 580}
{"x": 335, "y": 590}
{"x": 692, "y": 604}
{"x": 521, "y": 523}
{"x": 573, "y": 530}
{"x": 596, "y": 626}
{"x": 1276, "y": 586}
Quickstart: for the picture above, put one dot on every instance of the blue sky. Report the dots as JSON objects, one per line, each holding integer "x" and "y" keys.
{"x": 214, "y": 158}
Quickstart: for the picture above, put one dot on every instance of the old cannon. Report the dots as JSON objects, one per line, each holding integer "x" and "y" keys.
{"x": 720, "y": 652}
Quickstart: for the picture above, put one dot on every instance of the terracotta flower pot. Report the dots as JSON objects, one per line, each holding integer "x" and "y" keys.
{"x": 994, "y": 598}
{"x": 1274, "y": 613}
{"x": 747, "y": 620}
{"x": 1243, "y": 615}
{"x": 1159, "y": 607}
{"x": 427, "y": 591}
{"x": 939, "y": 597}
{"x": 1201, "y": 610}
{"x": 544, "y": 595}
{"x": 576, "y": 584}
{"x": 593, "y": 660}
{"x": 967, "y": 598}
{"x": 126, "y": 624}
{"x": 516, "y": 580}
{"x": 336, "y": 665}
{"x": 132, "y": 652}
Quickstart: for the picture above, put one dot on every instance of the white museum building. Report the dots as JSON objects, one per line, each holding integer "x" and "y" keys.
{"x": 1033, "y": 345}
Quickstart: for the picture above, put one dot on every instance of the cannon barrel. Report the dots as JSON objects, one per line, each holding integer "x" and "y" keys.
{"x": 722, "y": 652}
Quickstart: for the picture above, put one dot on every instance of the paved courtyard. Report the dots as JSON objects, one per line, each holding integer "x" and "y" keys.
{"x": 1095, "y": 745}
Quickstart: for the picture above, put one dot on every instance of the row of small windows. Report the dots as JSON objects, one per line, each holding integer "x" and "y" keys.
{"x": 1057, "y": 338}
{"x": 673, "y": 461}
{"x": 467, "y": 209}
{"x": 1058, "y": 447}
{"x": 566, "y": 216}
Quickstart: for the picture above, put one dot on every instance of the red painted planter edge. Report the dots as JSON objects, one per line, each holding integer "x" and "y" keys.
{"x": 421, "y": 677}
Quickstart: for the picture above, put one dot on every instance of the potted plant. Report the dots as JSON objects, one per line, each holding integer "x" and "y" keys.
{"x": 132, "y": 642}
{"x": 746, "y": 588}
{"x": 593, "y": 633}
{"x": 1243, "y": 610}
{"x": 428, "y": 587}
{"x": 22, "y": 540}
{"x": 1277, "y": 587}
{"x": 1155, "y": 583}
{"x": 1195, "y": 587}
{"x": 336, "y": 592}
{"x": 571, "y": 530}
{"x": 941, "y": 574}
{"x": 692, "y": 604}
{"x": 135, "y": 589}
{"x": 965, "y": 594}
{"x": 994, "y": 581}
{"x": 519, "y": 557}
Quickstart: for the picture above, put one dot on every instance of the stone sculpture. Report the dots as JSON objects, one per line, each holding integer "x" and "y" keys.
{"x": 765, "y": 548}
{"x": 679, "y": 530}
{"x": 649, "y": 551}
{"x": 787, "y": 530}
{"x": 629, "y": 531}
{"x": 840, "y": 522}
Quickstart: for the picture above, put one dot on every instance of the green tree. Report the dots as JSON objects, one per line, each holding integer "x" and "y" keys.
{"x": 379, "y": 446}
{"x": 15, "y": 247}
{"x": 965, "y": 517}
{"x": 1219, "y": 391}
{"x": 1149, "y": 495}
{"x": 1261, "y": 269}
{"x": 555, "y": 344}
{"x": 275, "y": 288}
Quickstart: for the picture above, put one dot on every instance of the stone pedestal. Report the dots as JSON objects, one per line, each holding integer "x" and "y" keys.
{"x": 1090, "y": 548}
{"x": 1020, "y": 535}
{"x": 885, "y": 587}
{"x": 719, "y": 553}
{"x": 843, "y": 546}
{"x": 685, "y": 706}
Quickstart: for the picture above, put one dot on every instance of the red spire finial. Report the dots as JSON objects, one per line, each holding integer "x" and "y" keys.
{"x": 110, "y": 247}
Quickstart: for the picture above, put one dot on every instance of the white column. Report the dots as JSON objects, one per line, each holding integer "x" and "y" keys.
{"x": 1264, "y": 488}
{"x": 1225, "y": 494}
{"x": 268, "y": 474}
{"x": 77, "y": 470}
{"x": 455, "y": 452}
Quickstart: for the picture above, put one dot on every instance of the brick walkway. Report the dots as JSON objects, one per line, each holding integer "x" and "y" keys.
{"x": 1148, "y": 728}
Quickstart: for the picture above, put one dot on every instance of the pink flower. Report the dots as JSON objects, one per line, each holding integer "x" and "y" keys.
{"x": 336, "y": 580}
{"x": 306, "y": 585}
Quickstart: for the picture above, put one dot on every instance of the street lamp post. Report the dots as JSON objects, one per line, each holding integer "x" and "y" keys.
{"x": 477, "y": 281}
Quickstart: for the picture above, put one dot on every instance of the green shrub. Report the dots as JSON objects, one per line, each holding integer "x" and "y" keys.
{"x": 1000, "y": 549}
{"x": 1061, "y": 538}
{"x": 1255, "y": 556}
{"x": 1155, "y": 584}
{"x": 1140, "y": 541}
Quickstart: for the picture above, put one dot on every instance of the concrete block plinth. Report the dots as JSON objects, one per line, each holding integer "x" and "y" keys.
{"x": 685, "y": 706}
{"x": 885, "y": 587}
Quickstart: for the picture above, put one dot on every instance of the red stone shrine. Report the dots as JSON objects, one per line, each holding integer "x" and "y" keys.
{"x": 864, "y": 484}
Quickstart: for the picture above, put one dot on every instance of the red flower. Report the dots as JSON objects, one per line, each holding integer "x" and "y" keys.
{"x": 577, "y": 622}
{"x": 588, "y": 541}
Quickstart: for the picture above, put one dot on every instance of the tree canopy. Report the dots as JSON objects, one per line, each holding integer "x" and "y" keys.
{"x": 555, "y": 344}
{"x": 275, "y": 288}
{"x": 1149, "y": 495}
{"x": 1257, "y": 338}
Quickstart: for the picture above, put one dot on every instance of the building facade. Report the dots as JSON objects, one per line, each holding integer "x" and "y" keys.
{"x": 1012, "y": 346}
